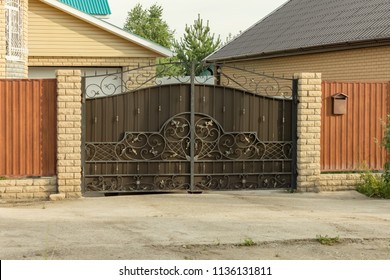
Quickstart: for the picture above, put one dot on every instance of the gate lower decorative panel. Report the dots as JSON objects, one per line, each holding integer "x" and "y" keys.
{"x": 223, "y": 160}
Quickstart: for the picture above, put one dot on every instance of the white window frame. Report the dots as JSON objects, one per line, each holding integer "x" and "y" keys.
{"x": 15, "y": 50}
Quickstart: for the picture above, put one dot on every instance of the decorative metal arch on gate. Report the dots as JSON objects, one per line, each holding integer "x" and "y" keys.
{"x": 235, "y": 130}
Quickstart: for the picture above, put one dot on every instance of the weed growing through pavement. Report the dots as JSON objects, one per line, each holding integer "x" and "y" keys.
{"x": 248, "y": 242}
{"x": 326, "y": 240}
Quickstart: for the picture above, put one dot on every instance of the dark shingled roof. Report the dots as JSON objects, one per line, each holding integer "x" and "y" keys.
{"x": 299, "y": 25}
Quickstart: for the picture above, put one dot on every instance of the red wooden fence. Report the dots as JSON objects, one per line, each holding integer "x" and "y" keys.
{"x": 28, "y": 127}
{"x": 352, "y": 141}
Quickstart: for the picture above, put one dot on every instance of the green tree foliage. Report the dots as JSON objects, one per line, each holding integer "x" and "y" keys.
{"x": 196, "y": 45}
{"x": 148, "y": 23}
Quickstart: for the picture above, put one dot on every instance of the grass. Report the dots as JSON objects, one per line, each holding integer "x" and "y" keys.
{"x": 3, "y": 178}
{"x": 373, "y": 186}
{"x": 326, "y": 240}
{"x": 248, "y": 242}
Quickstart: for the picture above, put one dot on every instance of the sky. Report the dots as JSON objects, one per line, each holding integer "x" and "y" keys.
{"x": 224, "y": 16}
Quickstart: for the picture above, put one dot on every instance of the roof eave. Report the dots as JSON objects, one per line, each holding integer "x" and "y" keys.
{"x": 110, "y": 28}
{"x": 308, "y": 50}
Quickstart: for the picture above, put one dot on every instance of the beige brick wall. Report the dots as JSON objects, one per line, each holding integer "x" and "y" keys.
{"x": 338, "y": 182}
{"x": 368, "y": 64}
{"x": 2, "y": 39}
{"x": 75, "y": 62}
{"x": 309, "y": 131}
{"x": 69, "y": 133}
{"x": 27, "y": 189}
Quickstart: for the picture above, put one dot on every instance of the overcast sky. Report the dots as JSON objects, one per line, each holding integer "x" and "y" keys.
{"x": 224, "y": 16}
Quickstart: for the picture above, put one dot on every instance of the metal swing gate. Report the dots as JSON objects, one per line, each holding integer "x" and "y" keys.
{"x": 141, "y": 135}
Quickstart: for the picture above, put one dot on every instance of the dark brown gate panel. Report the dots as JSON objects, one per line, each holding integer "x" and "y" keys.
{"x": 243, "y": 140}
{"x": 28, "y": 127}
{"x": 132, "y": 142}
{"x": 352, "y": 141}
{"x": 141, "y": 140}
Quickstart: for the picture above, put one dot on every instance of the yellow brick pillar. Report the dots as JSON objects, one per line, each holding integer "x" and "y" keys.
{"x": 68, "y": 134}
{"x": 309, "y": 131}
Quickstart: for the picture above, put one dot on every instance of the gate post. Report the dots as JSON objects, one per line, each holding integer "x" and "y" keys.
{"x": 309, "y": 131}
{"x": 68, "y": 134}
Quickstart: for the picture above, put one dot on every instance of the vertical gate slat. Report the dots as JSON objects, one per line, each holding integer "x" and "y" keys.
{"x": 49, "y": 127}
{"x": 36, "y": 128}
{"x": 15, "y": 132}
{"x": 2, "y": 128}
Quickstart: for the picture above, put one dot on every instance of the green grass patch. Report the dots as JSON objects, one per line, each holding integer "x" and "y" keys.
{"x": 374, "y": 186}
{"x": 329, "y": 241}
{"x": 248, "y": 242}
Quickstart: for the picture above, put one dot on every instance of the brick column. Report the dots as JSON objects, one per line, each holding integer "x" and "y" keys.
{"x": 68, "y": 134}
{"x": 309, "y": 131}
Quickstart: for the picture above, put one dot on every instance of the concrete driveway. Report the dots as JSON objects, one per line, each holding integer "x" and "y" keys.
{"x": 139, "y": 226}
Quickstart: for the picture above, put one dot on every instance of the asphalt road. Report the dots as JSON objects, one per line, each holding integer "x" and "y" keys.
{"x": 139, "y": 226}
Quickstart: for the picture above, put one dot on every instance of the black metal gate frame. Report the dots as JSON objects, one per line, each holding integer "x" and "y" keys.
{"x": 98, "y": 183}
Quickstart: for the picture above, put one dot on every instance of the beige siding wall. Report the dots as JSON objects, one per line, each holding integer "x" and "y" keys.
{"x": 369, "y": 64}
{"x": 55, "y": 33}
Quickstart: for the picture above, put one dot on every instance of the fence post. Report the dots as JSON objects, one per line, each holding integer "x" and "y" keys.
{"x": 68, "y": 134}
{"x": 309, "y": 131}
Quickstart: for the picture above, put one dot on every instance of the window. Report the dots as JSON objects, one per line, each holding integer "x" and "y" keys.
{"x": 14, "y": 30}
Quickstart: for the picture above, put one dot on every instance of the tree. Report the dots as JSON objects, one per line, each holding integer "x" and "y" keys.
{"x": 148, "y": 23}
{"x": 196, "y": 45}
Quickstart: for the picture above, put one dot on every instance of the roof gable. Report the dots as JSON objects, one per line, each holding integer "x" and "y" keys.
{"x": 154, "y": 47}
{"x": 53, "y": 33}
{"x": 92, "y": 7}
{"x": 304, "y": 24}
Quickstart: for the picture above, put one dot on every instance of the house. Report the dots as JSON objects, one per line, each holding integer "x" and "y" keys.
{"x": 44, "y": 35}
{"x": 348, "y": 42}
{"x": 344, "y": 40}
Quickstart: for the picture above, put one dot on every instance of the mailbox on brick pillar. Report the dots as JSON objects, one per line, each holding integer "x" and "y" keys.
{"x": 339, "y": 104}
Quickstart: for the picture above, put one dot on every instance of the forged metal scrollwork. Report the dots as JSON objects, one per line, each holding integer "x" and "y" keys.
{"x": 243, "y": 182}
{"x": 173, "y": 142}
{"x": 132, "y": 79}
{"x": 253, "y": 82}
{"x": 136, "y": 183}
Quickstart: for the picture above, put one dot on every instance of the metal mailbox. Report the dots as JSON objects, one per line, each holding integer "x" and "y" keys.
{"x": 339, "y": 104}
